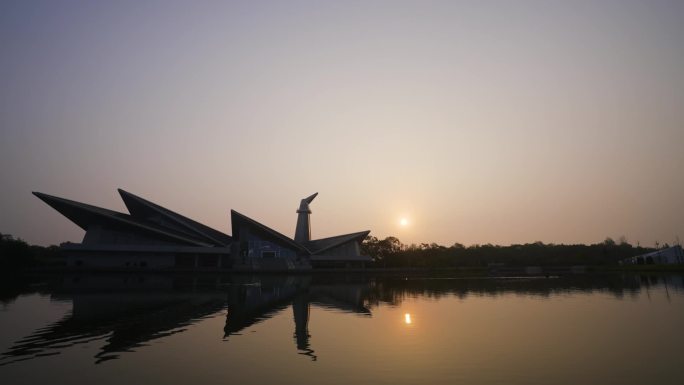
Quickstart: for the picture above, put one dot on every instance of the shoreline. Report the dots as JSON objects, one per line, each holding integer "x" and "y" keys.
{"x": 457, "y": 271}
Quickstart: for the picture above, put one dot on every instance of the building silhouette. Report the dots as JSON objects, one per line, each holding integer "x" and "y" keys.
{"x": 150, "y": 236}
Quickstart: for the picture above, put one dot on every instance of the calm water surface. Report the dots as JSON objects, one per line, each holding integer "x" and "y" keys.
{"x": 342, "y": 329}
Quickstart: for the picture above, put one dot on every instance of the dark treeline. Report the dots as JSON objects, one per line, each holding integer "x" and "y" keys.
{"x": 390, "y": 252}
{"x": 394, "y": 290}
{"x": 17, "y": 254}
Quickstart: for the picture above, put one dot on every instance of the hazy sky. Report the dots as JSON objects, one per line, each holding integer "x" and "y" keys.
{"x": 478, "y": 121}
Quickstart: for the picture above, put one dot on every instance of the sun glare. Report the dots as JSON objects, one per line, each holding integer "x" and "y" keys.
{"x": 403, "y": 222}
{"x": 407, "y": 318}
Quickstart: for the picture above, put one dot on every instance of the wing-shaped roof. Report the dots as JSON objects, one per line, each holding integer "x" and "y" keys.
{"x": 85, "y": 215}
{"x": 238, "y": 219}
{"x": 143, "y": 209}
{"x": 320, "y": 245}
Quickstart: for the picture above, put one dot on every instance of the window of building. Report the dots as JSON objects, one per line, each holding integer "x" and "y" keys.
{"x": 268, "y": 254}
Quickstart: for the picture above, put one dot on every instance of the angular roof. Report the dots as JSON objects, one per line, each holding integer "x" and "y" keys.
{"x": 237, "y": 219}
{"x": 311, "y": 247}
{"x": 143, "y": 209}
{"x": 320, "y": 245}
{"x": 85, "y": 215}
{"x": 152, "y": 219}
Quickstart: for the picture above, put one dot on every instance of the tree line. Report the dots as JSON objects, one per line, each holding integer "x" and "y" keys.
{"x": 391, "y": 252}
{"x": 15, "y": 253}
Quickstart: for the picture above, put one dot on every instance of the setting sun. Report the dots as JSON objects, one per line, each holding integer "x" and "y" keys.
{"x": 403, "y": 222}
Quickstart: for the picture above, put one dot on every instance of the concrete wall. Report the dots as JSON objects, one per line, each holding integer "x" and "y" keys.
{"x": 120, "y": 261}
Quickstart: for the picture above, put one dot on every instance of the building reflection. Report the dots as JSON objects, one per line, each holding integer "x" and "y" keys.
{"x": 125, "y": 313}
{"x": 124, "y": 320}
{"x": 263, "y": 297}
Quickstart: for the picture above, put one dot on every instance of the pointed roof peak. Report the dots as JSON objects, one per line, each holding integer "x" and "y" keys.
{"x": 142, "y": 208}
{"x": 310, "y": 198}
{"x": 304, "y": 204}
{"x": 84, "y": 215}
{"x": 319, "y": 245}
{"x": 125, "y": 193}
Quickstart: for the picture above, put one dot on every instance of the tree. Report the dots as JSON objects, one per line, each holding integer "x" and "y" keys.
{"x": 14, "y": 253}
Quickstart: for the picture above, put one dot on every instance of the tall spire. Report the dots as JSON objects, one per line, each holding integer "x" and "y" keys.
{"x": 303, "y": 230}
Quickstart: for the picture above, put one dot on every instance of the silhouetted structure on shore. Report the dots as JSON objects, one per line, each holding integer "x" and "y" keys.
{"x": 154, "y": 237}
{"x": 668, "y": 256}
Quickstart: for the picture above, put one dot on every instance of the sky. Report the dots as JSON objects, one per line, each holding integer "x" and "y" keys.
{"x": 475, "y": 121}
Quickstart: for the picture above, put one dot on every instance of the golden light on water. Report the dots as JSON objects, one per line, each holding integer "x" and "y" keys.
{"x": 407, "y": 318}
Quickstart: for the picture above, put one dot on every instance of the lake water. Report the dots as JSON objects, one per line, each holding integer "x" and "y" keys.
{"x": 342, "y": 329}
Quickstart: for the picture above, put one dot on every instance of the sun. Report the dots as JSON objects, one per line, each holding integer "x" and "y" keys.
{"x": 404, "y": 222}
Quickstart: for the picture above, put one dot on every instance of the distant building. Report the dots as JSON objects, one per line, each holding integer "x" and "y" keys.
{"x": 151, "y": 236}
{"x": 670, "y": 256}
